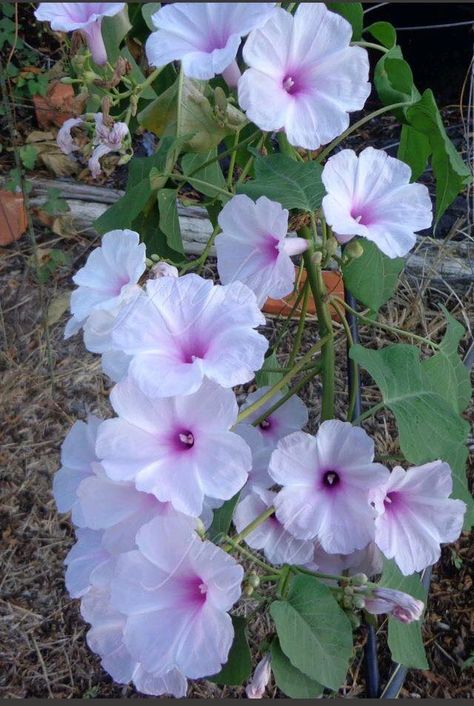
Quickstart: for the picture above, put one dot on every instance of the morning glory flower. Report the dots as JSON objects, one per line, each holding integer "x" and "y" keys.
{"x": 326, "y": 481}
{"x": 253, "y": 247}
{"x": 64, "y": 137}
{"x": 176, "y": 593}
{"x": 109, "y": 276}
{"x": 278, "y": 545}
{"x": 178, "y": 448}
{"x": 370, "y": 195}
{"x": 304, "y": 77}
{"x": 187, "y": 328}
{"x": 259, "y": 476}
{"x": 205, "y": 37}
{"x": 255, "y": 689}
{"x": 368, "y": 561}
{"x": 398, "y": 604}
{"x": 87, "y": 559}
{"x": 416, "y": 515}
{"x": 113, "y": 138}
{"x": 85, "y": 17}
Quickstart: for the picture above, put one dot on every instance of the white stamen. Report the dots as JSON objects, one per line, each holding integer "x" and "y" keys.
{"x": 288, "y": 83}
{"x": 187, "y": 439}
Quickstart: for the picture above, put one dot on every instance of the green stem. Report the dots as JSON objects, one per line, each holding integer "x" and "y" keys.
{"x": 180, "y": 177}
{"x": 318, "y": 289}
{"x": 293, "y": 391}
{"x": 369, "y": 413}
{"x": 226, "y": 153}
{"x": 356, "y": 126}
{"x": 371, "y": 45}
{"x": 300, "y": 329}
{"x": 242, "y": 550}
{"x": 250, "y": 161}
{"x": 353, "y": 364}
{"x": 248, "y": 411}
{"x": 259, "y": 520}
{"x": 384, "y": 327}
{"x": 230, "y": 173}
{"x": 319, "y": 575}
{"x": 204, "y": 255}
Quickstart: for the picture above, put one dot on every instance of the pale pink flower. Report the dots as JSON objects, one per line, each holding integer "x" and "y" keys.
{"x": 187, "y": 328}
{"x": 86, "y": 17}
{"x": 108, "y": 278}
{"x": 176, "y": 593}
{"x": 368, "y": 561}
{"x": 178, "y": 448}
{"x": 304, "y": 77}
{"x": 64, "y": 138}
{"x": 253, "y": 247}
{"x": 370, "y": 195}
{"x": 398, "y": 604}
{"x": 163, "y": 269}
{"x": 115, "y": 364}
{"x": 290, "y": 416}
{"x": 326, "y": 481}
{"x": 259, "y": 477}
{"x": 77, "y": 463}
{"x": 278, "y": 545}
{"x": 107, "y": 139}
{"x": 86, "y": 562}
{"x": 205, "y": 37}
{"x": 255, "y": 689}
{"x": 416, "y": 515}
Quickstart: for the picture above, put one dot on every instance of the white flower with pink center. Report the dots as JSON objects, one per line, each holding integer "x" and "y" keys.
{"x": 326, "y": 481}
{"x": 416, "y": 515}
{"x": 176, "y": 593}
{"x": 259, "y": 476}
{"x": 291, "y": 416}
{"x": 87, "y": 561}
{"x": 398, "y": 604}
{"x": 85, "y": 17}
{"x": 253, "y": 247}
{"x": 205, "y": 37}
{"x": 304, "y": 77}
{"x": 187, "y": 328}
{"x": 108, "y": 278}
{"x": 367, "y": 561}
{"x": 370, "y": 195}
{"x": 78, "y": 458}
{"x": 178, "y": 448}
{"x": 278, "y": 545}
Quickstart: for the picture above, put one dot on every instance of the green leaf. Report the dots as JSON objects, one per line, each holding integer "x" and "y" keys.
{"x": 414, "y": 150}
{"x": 136, "y": 73}
{"x": 405, "y": 641}
{"x": 28, "y": 155}
{"x": 114, "y": 30}
{"x": 393, "y": 80}
{"x": 430, "y": 427}
{"x": 222, "y": 519}
{"x": 54, "y": 203}
{"x": 159, "y": 116}
{"x": 293, "y": 184}
{"x": 452, "y": 175}
{"x": 149, "y": 9}
{"x": 169, "y": 221}
{"x": 384, "y": 33}
{"x": 238, "y": 667}
{"x": 314, "y": 633}
{"x": 212, "y": 174}
{"x": 372, "y": 278}
{"x": 263, "y": 378}
{"x": 353, "y": 13}
{"x": 124, "y": 211}
{"x": 290, "y": 680}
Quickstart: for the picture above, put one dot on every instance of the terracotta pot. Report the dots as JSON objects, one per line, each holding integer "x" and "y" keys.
{"x": 282, "y": 307}
{"x": 13, "y": 221}
{"x": 55, "y": 107}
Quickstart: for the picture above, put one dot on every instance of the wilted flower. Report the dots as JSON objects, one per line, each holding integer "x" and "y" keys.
{"x": 326, "y": 481}
{"x": 176, "y": 591}
{"x": 253, "y": 247}
{"x": 398, "y": 604}
{"x": 291, "y": 416}
{"x": 178, "y": 448}
{"x": 64, "y": 137}
{"x": 107, "y": 139}
{"x": 278, "y": 545}
{"x": 86, "y": 17}
{"x": 187, "y": 328}
{"x": 416, "y": 515}
{"x": 261, "y": 676}
{"x": 370, "y": 195}
{"x": 204, "y": 36}
{"x": 108, "y": 276}
{"x": 304, "y": 76}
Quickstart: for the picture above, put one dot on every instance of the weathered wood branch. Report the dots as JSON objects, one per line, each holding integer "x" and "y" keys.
{"x": 440, "y": 262}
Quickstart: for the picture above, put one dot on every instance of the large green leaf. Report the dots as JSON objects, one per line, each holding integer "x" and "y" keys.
{"x": 148, "y": 9}
{"x": 405, "y": 640}
{"x": 372, "y": 278}
{"x": 169, "y": 221}
{"x": 429, "y": 425}
{"x": 384, "y": 33}
{"x": 212, "y": 174}
{"x": 290, "y": 680}
{"x": 293, "y": 184}
{"x": 222, "y": 519}
{"x": 238, "y": 667}
{"x": 124, "y": 211}
{"x": 314, "y": 633}
{"x": 451, "y": 174}
{"x": 114, "y": 30}
{"x": 393, "y": 80}
{"x": 353, "y": 13}
{"x": 414, "y": 150}
{"x": 159, "y": 116}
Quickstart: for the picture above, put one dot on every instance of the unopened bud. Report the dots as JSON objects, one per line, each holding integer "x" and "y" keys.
{"x": 200, "y": 529}
{"x": 347, "y": 601}
{"x": 332, "y": 246}
{"x": 68, "y": 80}
{"x": 317, "y": 258}
{"x": 248, "y": 590}
{"x": 253, "y": 580}
{"x": 354, "y": 249}
{"x": 359, "y": 580}
{"x": 355, "y": 620}
{"x": 358, "y": 602}
{"x": 221, "y": 99}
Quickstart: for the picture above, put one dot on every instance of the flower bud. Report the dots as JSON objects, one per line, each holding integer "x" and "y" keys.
{"x": 253, "y": 580}
{"x": 398, "y": 604}
{"x": 359, "y": 580}
{"x": 248, "y": 589}
{"x": 354, "y": 249}
{"x": 332, "y": 246}
{"x": 317, "y": 257}
{"x": 256, "y": 687}
{"x": 163, "y": 269}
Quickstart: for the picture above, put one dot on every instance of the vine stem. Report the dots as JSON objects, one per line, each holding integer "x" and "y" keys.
{"x": 371, "y": 45}
{"x": 293, "y": 391}
{"x": 356, "y": 126}
{"x": 318, "y": 289}
{"x": 226, "y": 153}
{"x": 237, "y": 547}
{"x": 368, "y": 413}
{"x": 248, "y": 411}
{"x": 259, "y": 520}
